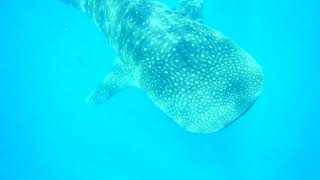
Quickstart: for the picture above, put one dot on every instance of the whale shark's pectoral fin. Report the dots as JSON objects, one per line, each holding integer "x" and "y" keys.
{"x": 118, "y": 79}
{"x": 191, "y": 9}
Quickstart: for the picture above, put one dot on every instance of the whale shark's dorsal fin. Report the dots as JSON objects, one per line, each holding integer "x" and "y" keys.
{"x": 191, "y": 9}
{"x": 120, "y": 77}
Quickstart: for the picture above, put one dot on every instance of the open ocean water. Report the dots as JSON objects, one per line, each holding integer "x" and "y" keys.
{"x": 52, "y": 56}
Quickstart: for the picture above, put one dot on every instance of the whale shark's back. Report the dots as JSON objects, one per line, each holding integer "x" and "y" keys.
{"x": 196, "y": 75}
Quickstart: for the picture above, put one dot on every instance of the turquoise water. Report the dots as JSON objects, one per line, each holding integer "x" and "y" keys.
{"x": 52, "y": 56}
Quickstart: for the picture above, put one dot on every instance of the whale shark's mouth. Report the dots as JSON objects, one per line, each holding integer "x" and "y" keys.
{"x": 243, "y": 113}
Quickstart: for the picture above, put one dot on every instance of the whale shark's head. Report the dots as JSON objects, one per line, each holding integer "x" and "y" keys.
{"x": 200, "y": 78}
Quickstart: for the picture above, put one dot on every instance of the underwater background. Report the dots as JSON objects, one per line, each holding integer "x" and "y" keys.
{"x": 52, "y": 56}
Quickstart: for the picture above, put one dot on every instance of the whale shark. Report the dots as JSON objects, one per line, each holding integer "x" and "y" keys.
{"x": 195, "y": 74}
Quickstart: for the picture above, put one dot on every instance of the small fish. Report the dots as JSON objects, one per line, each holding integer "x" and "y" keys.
{"x": 79, "y": 59}
{"x": 65, "y": 27}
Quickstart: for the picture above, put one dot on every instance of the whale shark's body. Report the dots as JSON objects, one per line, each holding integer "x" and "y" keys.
{"x": 194, "y": 74}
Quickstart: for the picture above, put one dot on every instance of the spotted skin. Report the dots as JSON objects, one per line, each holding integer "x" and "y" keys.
{"x": 191, "y": 9}
{"x": 194, "y": 74}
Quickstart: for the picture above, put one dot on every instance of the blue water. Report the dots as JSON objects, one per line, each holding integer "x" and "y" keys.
{"x": 52, "y": 56}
